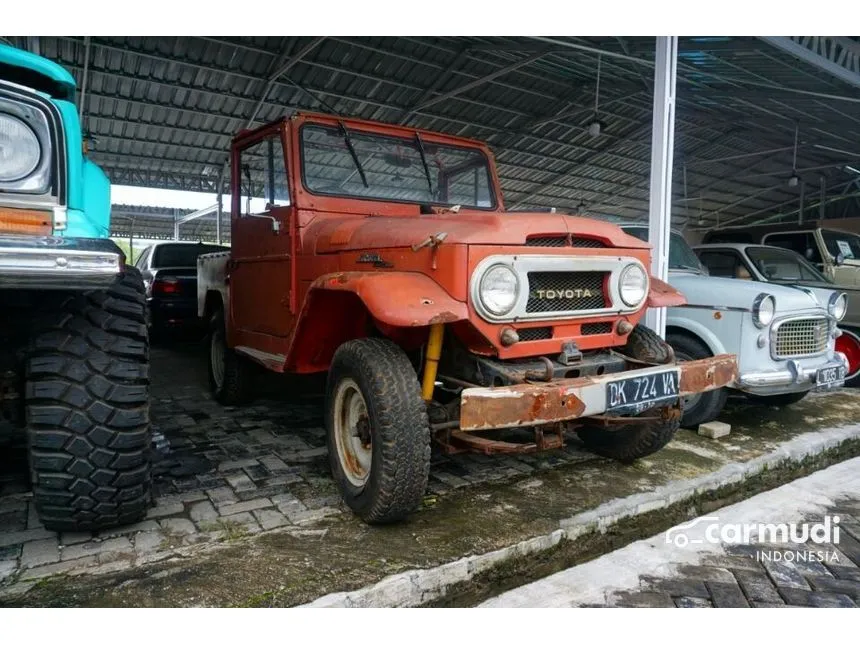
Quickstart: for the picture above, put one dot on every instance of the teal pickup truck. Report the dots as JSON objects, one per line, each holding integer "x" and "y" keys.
{"x": 74, "y": 350}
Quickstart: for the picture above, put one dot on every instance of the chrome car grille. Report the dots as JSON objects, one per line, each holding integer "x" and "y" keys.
{"x": 800, "y": 337}
{"x": 566, "y": 291}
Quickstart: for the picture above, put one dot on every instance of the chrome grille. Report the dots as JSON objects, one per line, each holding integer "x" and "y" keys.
{"x": 590, "y": 329}
{"x": 535, "y": 333}
{"x": 801, "y": 337}
{"x": 566, "y": 291}
{"x": 565, "y": 240}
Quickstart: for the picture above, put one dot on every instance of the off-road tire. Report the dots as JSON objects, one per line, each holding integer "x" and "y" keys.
{"x": 87, "y": 407}
{"x": 237, "y": 386}
{"x": 789, "y": 398}
{"x": 628, "y": 443}
{"x": 709, "y": 404}
{"x": 645, "y": 345}
{"x": 400, "y": 430}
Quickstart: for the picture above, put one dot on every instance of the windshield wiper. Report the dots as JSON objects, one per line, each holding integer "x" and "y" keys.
{"x": 352, "y": 153}
{"x": 424, "y": 163}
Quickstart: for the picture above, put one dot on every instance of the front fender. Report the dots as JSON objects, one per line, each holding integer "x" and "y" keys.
{"x": 663, "y": 294}
{"x": 697, "y": 329}
{"x": 399, "y": 299}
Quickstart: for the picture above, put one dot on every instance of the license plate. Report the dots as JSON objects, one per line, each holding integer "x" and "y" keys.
{"x": 830, "y": 376}
{"x": 641, "y": 392}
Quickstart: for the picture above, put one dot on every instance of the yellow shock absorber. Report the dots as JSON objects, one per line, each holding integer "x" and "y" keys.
{"x": 431, "y": 361}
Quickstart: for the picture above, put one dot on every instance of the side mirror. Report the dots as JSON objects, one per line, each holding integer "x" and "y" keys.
{"x": 839, "y": 259}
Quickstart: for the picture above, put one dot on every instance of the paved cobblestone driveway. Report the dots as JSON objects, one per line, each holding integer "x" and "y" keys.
{"x": 229, "y": 472}
{"x": 743, "y": 580}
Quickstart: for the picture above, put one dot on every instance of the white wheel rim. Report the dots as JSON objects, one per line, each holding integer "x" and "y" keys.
{"x": 216, "y": 359}
{"x": 352, "y": 434}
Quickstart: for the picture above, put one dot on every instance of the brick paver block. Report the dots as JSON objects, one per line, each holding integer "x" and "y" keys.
{"x": 202, "y": 512}
{"x": 244, "y": 507}
{"x": 708, "y": 574}
{"x": 221, "y": 496}
{"x": 84, "y": 549}
{"x": 270, "y": 519}
{"x": 825, "y": 583}
{"x": 178, "y": 526}
{"x": 726, "y": 594}
{"x": 804, "y": 598}
{"x": 642, "y": 599}
{"x": 241, "y": 482}
{"x": 757, "y": 586}
{"x": 784, "y": 575}
{"x": 690, "y": 602}
{"x": 39, "y": 552}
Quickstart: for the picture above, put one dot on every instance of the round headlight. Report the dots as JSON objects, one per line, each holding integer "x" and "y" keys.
{"x": 633, "y": 285}
{"x": 838, "y": 305}
{"x": 499, "y": 289}
{"x": 19, "y": 149}
{"x": 763, "y": 310}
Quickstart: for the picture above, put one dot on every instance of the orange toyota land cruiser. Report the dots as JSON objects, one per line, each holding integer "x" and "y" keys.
{"x": 384, "y": 256}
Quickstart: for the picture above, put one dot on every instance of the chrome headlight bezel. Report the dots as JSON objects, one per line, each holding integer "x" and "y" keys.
{"x": 645, "y": 285}
{"x": 760, "y": 306}
{"x": 499, "y": 269}
{"x": 837, "y": 306}
{"x": 18, "y": 140}
{"x": 28, "y": 113}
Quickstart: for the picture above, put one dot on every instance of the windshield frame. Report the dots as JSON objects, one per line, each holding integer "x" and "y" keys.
{"x": 835, "y": 233}
{"x": 403, "y": 140}
{"x": 700, "y": 268}
{"x": 794, "y": 255}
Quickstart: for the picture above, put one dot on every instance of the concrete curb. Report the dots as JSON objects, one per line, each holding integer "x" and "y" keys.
{"x": 419, "y": 586}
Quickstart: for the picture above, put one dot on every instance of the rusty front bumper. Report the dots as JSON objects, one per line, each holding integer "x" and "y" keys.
{"x": 487, "y": 408}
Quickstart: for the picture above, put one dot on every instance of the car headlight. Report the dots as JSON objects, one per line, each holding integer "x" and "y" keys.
{"x": 19, "y": 149}
{"x": 633, "y": 285}
{"x": 499, "y": 289}
{"x": 763, "y": 310}
{"x": 838, "y": 305}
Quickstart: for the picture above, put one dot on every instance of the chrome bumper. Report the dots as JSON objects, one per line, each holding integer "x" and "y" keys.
{"x": 795, "y": 378}
{"x": 57, "y": 263}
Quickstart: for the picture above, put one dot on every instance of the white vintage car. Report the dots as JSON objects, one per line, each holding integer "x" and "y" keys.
{"x": 784, "y": 336}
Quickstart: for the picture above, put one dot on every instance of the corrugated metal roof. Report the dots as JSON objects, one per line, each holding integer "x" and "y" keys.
{"x": 161, "y": 111}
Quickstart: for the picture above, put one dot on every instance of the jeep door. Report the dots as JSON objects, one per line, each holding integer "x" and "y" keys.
{"x": 261, "y": 271}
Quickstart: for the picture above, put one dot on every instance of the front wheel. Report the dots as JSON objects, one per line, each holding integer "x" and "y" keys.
{"x": 704, "y": 406}
{"x": 377, "y": 430}
{"x": 629, "y": 442}
{"x": 87, "y": 406}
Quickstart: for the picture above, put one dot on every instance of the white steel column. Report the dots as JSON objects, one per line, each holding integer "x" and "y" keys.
{"x": 662, "y": 146}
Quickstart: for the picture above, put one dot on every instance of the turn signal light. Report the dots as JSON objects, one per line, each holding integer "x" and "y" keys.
{"x": 28, "y": 222}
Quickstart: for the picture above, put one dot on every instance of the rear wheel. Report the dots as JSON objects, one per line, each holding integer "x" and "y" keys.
{"x": 704, "y": 406}
{"x": 377, "y": 430}
{"x": 87, "y": 408}
{"x": 849, "y": 344}
{"x": 230, "y": 375}
{"x": 629, "y": 442}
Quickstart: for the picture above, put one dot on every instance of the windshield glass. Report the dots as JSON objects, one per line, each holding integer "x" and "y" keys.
{"x": 393, "y": 168}
{"x": 181, "y": 255}
{"x": 783, "y": 265}
{"x": 837, "y": 242}
{"x": 681, "y": 256}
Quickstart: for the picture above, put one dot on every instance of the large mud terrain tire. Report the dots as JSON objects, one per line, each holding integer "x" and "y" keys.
{"x": 627, "y": 443}
{"x": 704, "y": 407}
{"x": 87, "y": 408}
{"x": 377, "y": 429}
{"x": 231, "y": 377}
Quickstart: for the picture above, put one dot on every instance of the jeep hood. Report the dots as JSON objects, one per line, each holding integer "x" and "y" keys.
{"x": 466, "y": 227}
{"x": 710, "y": 291}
